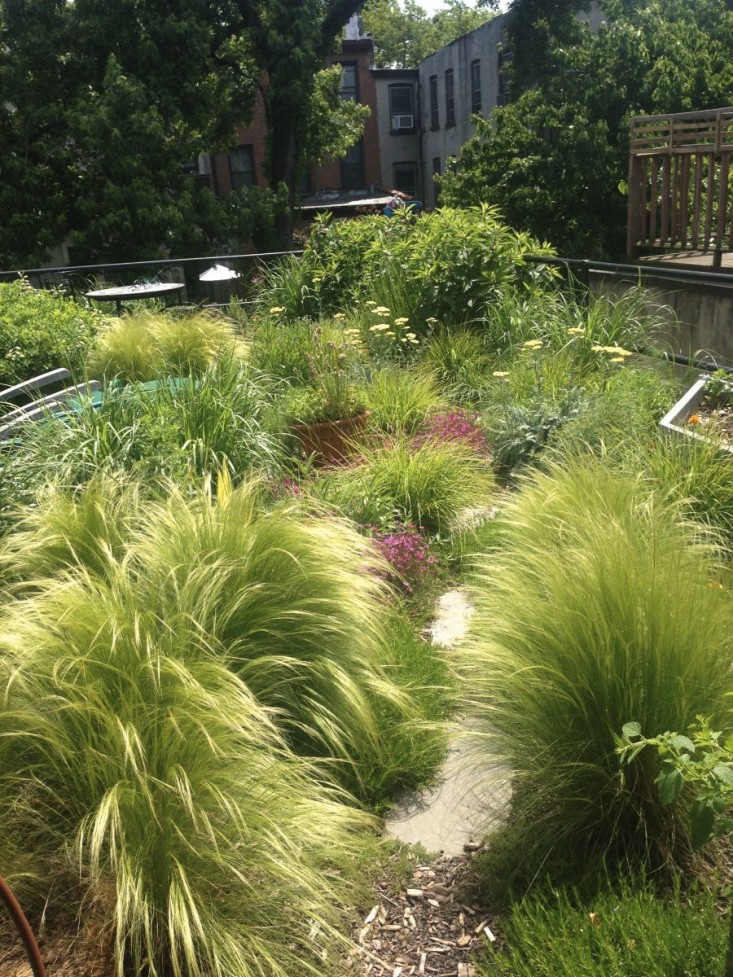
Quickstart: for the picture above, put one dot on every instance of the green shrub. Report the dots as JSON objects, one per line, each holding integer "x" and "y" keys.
{"x": 596, "y": 611}
{"x": 41, "y": 330}
{"x": 449, "y": 264}
{"x": 628, "y": 930}
{"x": 146, "y": 345}
{"x": 283, "y": 350}
{"x": 622, "y": 413}
{"x": 292, "y": 602}
{"x": 153, "y": 797}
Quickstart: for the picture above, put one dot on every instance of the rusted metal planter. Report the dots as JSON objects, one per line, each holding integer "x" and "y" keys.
{"x": 330, "y": 441}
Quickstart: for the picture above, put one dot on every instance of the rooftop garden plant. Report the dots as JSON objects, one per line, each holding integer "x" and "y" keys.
{"x": 41, "y": 330}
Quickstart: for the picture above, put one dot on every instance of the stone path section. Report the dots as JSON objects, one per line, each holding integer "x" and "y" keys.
{"x": 468, "y": 800}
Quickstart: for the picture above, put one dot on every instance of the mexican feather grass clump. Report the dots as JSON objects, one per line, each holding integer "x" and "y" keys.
{"x": 156, "y": 675}
{"x": 597, "y": 611}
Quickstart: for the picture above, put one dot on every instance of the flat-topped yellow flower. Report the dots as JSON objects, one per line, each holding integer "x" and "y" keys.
{"x": 576, "y": 331}
{"x": 370, "y": 302}
{"x": 277, "y": 309}
{"x": 533, "y": 344}
{"x": 381, "y": 310}
{"x": 339, "y": 315}
{"x": 500, "y": 373}
{"x": 612, "y": 350}
{"x": 403, "y": 320}
{"x": 380, "y": 327}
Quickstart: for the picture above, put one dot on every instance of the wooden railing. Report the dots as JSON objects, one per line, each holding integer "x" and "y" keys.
{"x": 679, "y": 170}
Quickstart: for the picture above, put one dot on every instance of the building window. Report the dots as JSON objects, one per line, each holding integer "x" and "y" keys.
{"x": 450, "y": 100}
{"x": 405, "y": 177}
{"x": 352, "y": 168}
{"x": 242, "y": 167}
{"x": 505, "y": 57}
{"x": 434, "y": 111}
{"x": 349, "y": 82}
{"x": 475, "y": 87}
{"x": 402, "y": 108}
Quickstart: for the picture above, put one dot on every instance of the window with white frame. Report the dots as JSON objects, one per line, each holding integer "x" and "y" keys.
{"x": 402, "y": 108}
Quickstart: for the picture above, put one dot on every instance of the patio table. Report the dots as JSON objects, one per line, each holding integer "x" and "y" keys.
{"x": 132, "y": 293}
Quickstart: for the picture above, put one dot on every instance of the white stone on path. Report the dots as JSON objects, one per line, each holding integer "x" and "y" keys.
{"x": 468, "y": 799}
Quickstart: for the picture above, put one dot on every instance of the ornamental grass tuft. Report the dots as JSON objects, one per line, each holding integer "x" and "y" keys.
{"x": 596, "y": 611}
{"x": 147, "y": 790}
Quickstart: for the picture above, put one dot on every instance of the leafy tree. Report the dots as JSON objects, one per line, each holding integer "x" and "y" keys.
{"x": 555, "y": 160}
{"x": 405, "y": 34}
{"x": 102, "y": 103}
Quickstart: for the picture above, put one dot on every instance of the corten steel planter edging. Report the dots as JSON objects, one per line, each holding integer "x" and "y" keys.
{"x": 26, "y": 933}
{"x": 675, "y": 421}
{"x": 330, "y": 441}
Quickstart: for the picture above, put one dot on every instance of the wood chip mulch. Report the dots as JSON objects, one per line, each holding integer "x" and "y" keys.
{"x": 431, "y": 927}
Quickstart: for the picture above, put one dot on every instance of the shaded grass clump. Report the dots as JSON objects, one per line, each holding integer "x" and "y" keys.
{"x": 627, "y": 929}
{"x": 596, "y": 611}
{"x": 401, "y": 399}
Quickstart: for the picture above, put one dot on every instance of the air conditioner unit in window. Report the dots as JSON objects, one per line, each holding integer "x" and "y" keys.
{"x": 401, "y": 122}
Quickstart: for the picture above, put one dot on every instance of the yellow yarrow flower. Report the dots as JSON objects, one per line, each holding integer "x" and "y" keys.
{"x": 277, "y": 309}
{"x": 401, "y": 321}
{"x": 533, "y": 344}
{"x": 380, "y": 327}
{"x": 576, "y": 331}
{"x": 381, "y": 310}
{"x": 500, "y": 373}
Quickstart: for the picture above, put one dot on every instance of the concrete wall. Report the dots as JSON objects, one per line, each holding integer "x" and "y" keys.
{"x": 396, "y": 147}
{"x": 445, "y": 142}
{"x": 699, "y": 318}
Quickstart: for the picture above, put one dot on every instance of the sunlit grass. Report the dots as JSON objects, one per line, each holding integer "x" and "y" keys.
{"x": 597, "y": 610}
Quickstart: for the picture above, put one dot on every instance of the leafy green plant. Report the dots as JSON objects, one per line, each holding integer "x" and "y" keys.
{"x": 521, "y": 432}
{"x": 455, "y": 261}
{"x": 41, "y": 330}
{"x": 460, "y": 360}
{"x": 413, "y": 742}
{"x": 292, "y": 602}
{"x": 625, "y": 929}
{"x": 282, "y": 350}
{"x": 596, "y": 608}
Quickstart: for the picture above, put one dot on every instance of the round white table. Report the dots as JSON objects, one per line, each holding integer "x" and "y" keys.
{"x": 133, "y": 293}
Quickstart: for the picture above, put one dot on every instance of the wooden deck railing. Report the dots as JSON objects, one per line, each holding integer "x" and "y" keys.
{"x": 679, "y": 174}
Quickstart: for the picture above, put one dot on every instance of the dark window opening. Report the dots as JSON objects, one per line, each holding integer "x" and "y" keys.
{"x": 402, "y": 108}
{"x": 434, "y": 110}
{"x": 242, "y": 167}
{"x": 405, "y": 178}
{"x": 450, "y": 100}
{"x": 349, "y": 82}
{"x": 475, "y": 87}
{"x": 352, "y": 168}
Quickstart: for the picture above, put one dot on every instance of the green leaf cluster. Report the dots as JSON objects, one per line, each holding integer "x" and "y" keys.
{"x": 41, "y": 330}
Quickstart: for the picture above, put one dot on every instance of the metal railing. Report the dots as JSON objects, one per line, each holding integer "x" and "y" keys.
{"x": 76, "y": 279}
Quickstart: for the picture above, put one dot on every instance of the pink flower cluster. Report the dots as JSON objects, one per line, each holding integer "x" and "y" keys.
{"x": 408, "y": 553}
{"x": 457, "y": 425}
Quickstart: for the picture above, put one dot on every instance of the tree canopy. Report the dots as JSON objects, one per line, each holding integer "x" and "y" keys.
{"x": 555, "y": 160}
{"x": 404, "y": 33}
{"x": 103, "y": 103}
